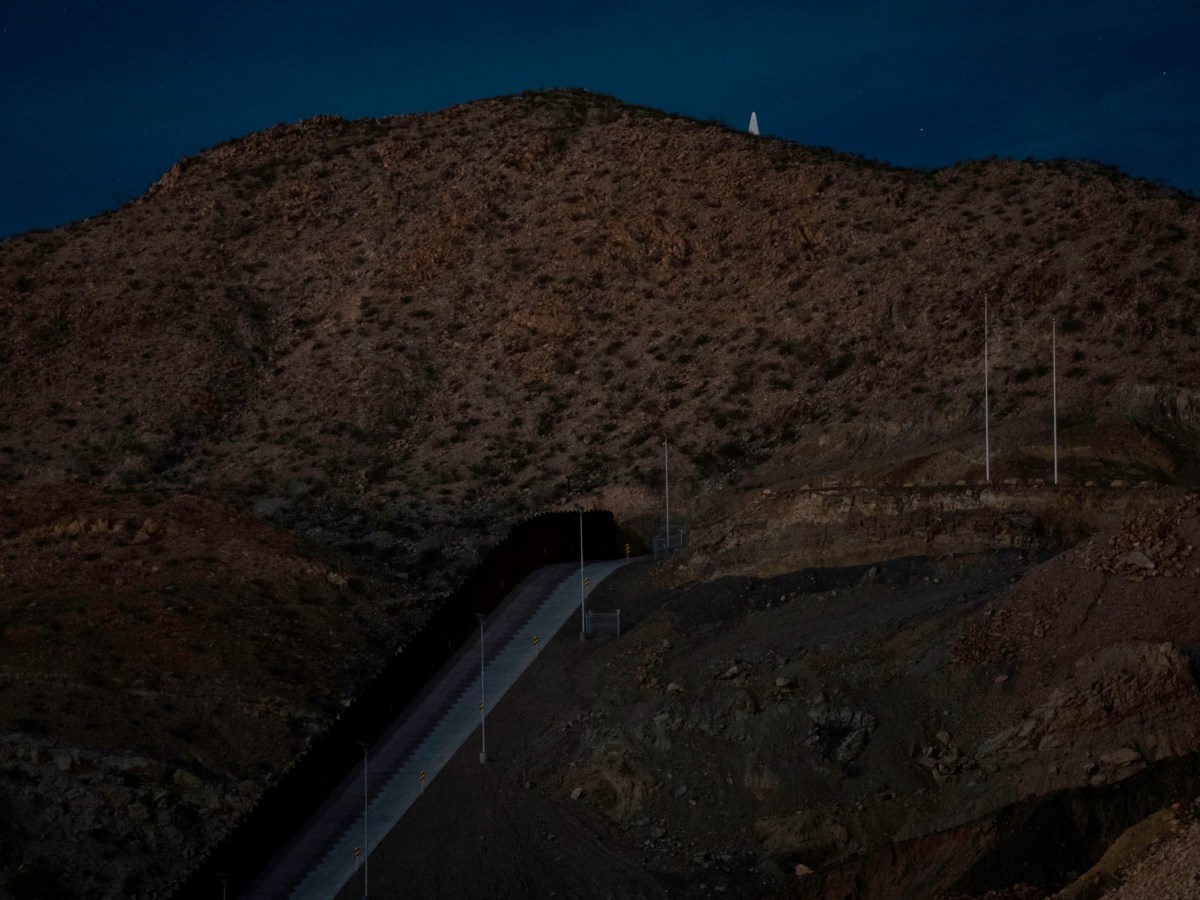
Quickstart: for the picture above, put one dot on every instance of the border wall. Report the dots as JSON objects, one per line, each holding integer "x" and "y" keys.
{"x": 301, "y": 787}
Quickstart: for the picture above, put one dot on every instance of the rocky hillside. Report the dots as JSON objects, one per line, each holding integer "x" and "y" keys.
{"x": 509, "y": 304}
{"x": 990, "y": 724}
{"x": 256, "y": 423}
{"x": 162, "y": 658}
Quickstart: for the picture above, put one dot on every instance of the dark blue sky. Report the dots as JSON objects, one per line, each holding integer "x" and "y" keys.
{"x": 99, "y": 97}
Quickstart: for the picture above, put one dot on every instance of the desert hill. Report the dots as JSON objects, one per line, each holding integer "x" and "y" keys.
{"x": 332, "y": 361}
{"x": 458, "y": 311}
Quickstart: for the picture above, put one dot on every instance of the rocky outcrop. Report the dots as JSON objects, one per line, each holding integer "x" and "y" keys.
{"x": 788, "y": 528}
{"x": 1125, "y": 706}
{"x": 1147, "y": 545}
{"x": 811, "y": 835}
{"x": 839, "y": 731}
{"x": 610, "y": 778}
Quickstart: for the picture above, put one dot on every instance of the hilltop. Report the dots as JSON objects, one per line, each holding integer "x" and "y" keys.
{"x": 315, "y": 371}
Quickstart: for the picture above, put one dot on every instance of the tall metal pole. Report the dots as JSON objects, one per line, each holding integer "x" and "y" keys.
{"x": 582, "y": 585}
{"x": 366, "y": 846}
{"x": 667, "y": 492}
{"x": 482, "y": 696}
{"x": 1054, "y": 390}
{"x": 987, "y": 438}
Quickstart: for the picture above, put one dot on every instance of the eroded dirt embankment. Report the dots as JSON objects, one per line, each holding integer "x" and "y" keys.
{"x": 784, "y": 529}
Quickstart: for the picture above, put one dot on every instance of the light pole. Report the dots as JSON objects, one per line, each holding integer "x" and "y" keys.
{"x": 366, "y": 846}
{"x": 667, "y": 491}
{"x": 482, "y": 695}
{"x": 582, "y": 585}
{"x": 1054, "y": 391}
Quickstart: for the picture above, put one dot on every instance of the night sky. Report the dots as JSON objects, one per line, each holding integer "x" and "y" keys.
{"x": 99, "y": 97}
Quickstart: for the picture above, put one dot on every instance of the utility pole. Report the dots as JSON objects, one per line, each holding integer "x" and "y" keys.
{"x": 482, "y": 695}
{"x": 1054, "y": 391}
{"x": 987, "y": 443}
{"x": 366, "y": 846}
